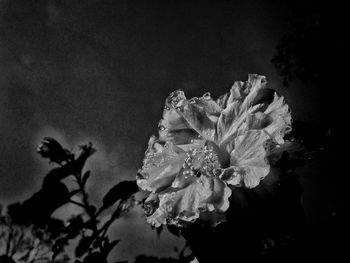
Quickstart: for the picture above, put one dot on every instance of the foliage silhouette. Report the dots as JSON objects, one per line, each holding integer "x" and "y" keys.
{"x": 35, "y": 213}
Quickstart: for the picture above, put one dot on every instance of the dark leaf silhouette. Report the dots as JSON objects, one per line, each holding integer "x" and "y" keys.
{"x": 109, "y": 246}
{"x": 57, "y": 174}
{"x": 121, "y": 191}
{"x": 59, "y": 244}
{"x": 74, "y": 227}
{"x": 38, "y": 208}
{"x": 86, "y": 151}
{"x": 35, "y": 212}
{"x": 6, "y": 259}
{"x": 83, "y": 246}
{"x": 94, "y": 258}
{"x": 152, "y": 259}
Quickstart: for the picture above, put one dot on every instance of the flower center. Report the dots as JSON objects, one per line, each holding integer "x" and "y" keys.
{"x": 201, "y": 161}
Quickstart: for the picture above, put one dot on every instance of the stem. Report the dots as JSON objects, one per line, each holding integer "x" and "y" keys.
{"x": 90, "y": 213}
{"x": 77, "y": 203}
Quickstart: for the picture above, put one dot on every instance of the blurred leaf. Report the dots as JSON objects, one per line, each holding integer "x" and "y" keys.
{"x": 90, "y": 224}
{"x": 57, "y": 174}
{"x": 59, "y": 244}
{"x": 121, "y": 191}
{"x": 74, "y": 227}
{"x": 91, "y": 209}
{"x": 109, "y": 246}
{"x": 95, "y": 258}
{"x": 6, "y": 259}
{"x": 38, "y": 208}
{"x": 83, "y": 246}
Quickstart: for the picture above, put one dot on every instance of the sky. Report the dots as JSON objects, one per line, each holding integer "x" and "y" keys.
{"x": 88, "y": 70}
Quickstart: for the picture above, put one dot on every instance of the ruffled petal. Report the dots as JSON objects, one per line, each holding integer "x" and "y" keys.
{"x": 185, "y": 205}
{"x": 184, "y": 119}
{"x": 248, "y": 159}
{"x": 281, "y": 119}
{"x": 163, "y": 161}
{"x": 242, "y": 102}
{"x": 173, "y": 126}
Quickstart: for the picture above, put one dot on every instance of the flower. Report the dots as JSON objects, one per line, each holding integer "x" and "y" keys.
{"x": 207, "y": 147}
{"x": 53, "y": 150}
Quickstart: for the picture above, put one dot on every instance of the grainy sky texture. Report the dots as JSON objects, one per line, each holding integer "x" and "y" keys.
{"x": 101, "y": 70}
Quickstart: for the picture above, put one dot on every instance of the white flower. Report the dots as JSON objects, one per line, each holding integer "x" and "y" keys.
{"x": 205, "y": 147}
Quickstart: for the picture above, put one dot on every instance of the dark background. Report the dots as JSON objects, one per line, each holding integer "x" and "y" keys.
{"x": 101, "y": 70}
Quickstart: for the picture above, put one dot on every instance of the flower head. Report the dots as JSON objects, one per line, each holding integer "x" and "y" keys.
{"x": 53, "y": 150}
{"x": 206, "y": 147}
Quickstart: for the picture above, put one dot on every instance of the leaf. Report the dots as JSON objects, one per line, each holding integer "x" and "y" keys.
{"x": 83, "y": 246}
{"x": 57, "y": 174}
{"x": 90, "y": 224}
{"x": 109, "y": 246}
{"x": 95, "y": 258}
{"x": 75, "y": 225}
{"x": 38, "y": 208}
{"x": 121, "y": 191}
{"x": 86, "y": 151}
{"x": 59, "y": 244}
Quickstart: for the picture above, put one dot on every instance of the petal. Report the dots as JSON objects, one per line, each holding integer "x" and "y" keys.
{"x": 248, "y": 159}
{"x": 163, "y": 161}
{"x": 201, "y": 114}
{"x": 281, "y": 119}
{"x": 222, "y": 100}
{"x": 243, "y": 101}
{"x": 185, "y": 205}
{"x": 184, "y": 119}
{"x": 253, "y": 86}
{"x": 220, "y": 194}
{"x": 258, "y": 121}
{"x": 179, "y": 137}
{"x": 252, "y": 175}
